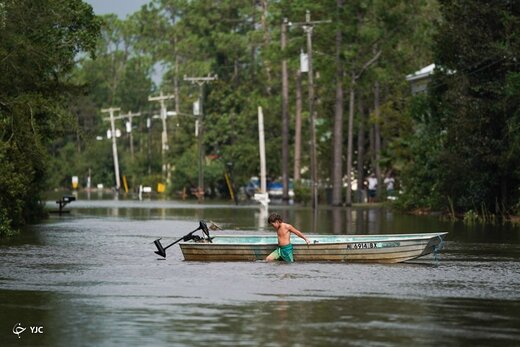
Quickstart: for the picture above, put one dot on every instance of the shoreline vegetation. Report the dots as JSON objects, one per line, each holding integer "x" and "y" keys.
{"x": 468, "y": 218}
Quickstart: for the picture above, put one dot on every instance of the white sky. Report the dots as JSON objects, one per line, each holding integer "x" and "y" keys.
{"x": 120, "y": 7}
{"x": 123, "y": 8}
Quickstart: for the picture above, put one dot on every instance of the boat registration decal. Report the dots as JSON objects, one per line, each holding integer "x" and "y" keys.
{"x": 361, "y": 245}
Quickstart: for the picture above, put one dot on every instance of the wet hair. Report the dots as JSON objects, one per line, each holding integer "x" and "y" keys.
{"x": 274, "y": 217}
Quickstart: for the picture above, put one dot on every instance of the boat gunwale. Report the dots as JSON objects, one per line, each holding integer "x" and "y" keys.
{"x": 397, "y": 237}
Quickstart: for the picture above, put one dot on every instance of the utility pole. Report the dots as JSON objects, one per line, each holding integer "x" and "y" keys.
{"x": 308, "y": 27}
{"x": 149, "y": 142}
{"x": 111, "y": 110}
{"x": 161, "y": 99}
{"x": 298, "y": 127}
{"x": 129, "y": 116}
{"x": 285, "y": 115}
{"x": 200, "y": 128}
{"x": 377, "y": 140}
{"x": 262, "y": 197}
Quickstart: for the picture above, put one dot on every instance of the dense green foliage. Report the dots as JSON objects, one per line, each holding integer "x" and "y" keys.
{"x": 455, "y": 148}
{"x": 38, "y": 43}
{"x": 240, "y": 42}
{"x": 466, "y": 149}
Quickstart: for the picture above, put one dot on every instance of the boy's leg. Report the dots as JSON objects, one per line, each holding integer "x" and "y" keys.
{"x": 275, "y": 255}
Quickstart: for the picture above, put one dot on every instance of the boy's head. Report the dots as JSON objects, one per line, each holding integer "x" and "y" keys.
{"x": 274, "y": 217}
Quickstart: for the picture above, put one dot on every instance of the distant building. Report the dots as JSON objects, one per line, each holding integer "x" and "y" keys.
{"x": 419, "y": 80}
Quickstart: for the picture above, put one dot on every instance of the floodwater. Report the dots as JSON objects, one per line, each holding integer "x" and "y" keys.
{"x": 91, "y": 279}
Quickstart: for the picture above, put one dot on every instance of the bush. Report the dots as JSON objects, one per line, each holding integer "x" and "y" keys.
{"x": 302, "y": 192}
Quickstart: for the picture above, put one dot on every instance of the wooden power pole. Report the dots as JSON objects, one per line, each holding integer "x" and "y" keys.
{"x": 200, "y": 128}
{"x": 285, "y": 115}
{"x": 308, "y": 27}
{"x": 129, "y": 116}
{"x": 164, "y": 138}
{"x": 111, "y": 111}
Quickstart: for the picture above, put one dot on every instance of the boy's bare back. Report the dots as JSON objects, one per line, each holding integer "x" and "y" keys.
{"x": 284, "y": 234}
{"x": 284, "y": 230}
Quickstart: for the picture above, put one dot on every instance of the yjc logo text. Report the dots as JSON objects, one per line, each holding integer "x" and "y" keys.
{"x": 18, "y": 329}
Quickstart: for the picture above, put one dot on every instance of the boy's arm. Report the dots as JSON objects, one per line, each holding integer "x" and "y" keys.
{"x": 298, "y": 233}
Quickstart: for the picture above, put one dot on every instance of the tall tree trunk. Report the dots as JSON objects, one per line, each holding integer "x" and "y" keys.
{"x": 503, "y": 197}
{"x": 298, "y": 127}
{"x": 285, "y": 116}
{"x": 176, "y": 86}
{"x": 353, "y": 78}
{"x": 253, "y": 46}
{"x": 78, "y": 140}
{"x": 377, "y": 138}
{"x": 312, "y": 116}
{"x": 267, "y": 41}
{"x": 131, "y": 140}
{"x": 361, "y": 150}
{"x": 337, "y": 170}
{"x": 176, "y": 90}
{"x": 371, "y": 146}
{"x": 350, "y": 138}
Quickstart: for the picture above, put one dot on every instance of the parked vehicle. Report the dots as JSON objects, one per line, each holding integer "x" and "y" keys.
{"x": 253, "y": 187}
{"x": 275, "y": 190}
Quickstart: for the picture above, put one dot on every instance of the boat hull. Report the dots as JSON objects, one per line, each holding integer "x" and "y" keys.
{"x": 360, "y": 248}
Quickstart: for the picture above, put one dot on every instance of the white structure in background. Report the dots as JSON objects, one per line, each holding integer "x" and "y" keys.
{"x": 419, "y": 80}
{"x": 304, "y": 62}
{"x": 262, "y": 197}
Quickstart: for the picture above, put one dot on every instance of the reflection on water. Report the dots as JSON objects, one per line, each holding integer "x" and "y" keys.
{"x": 350, "y": 321}
{"x": 92, "y": 278}
{"x": 262, "y": 215}
{"x": 332, "y": 220}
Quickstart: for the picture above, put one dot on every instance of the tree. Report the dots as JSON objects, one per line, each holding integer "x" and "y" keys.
{"x": 369, "y": 41}
{"x": 473, "y": 110}
{"x": 337, "y": 172}
{"x": 370, "y": 38}
{"x": 482, "y": 55}
{"x": 39, "y": 41}
{"x": 120, "y": 75}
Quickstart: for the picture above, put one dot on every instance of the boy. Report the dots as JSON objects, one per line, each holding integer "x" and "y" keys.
{"x": 284, "y": 230}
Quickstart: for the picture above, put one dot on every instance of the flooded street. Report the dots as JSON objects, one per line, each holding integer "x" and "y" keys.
{"x": 91, "y": 279}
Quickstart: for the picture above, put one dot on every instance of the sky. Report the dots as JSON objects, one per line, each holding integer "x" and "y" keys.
{"x": 122, "y": 8}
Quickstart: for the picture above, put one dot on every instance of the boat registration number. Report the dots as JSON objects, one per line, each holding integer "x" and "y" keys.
{"x": 362, "y": 245}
